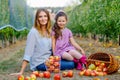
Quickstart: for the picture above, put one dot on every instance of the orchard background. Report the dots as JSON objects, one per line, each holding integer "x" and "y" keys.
{"x": 94, "y": 23}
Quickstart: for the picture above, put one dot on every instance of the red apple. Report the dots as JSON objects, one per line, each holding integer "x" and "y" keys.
{"x": 57, "y": 58}
{"x": 41, "y": 75}
{"x": 57, "y": 77}
{"x": 97, "y": 63}
{"x": 51, "y": 57}
{"x": 102, "y": 64}
{"x": 70, "y": 73}
{"x": 51, "y": 62}
{"x": 51, "y": 67}
{"x": 87, "y": 72}
{"x": 46, "y": 74}
{"x": 56, "y": 64}
{"x": 93, "y": 73}
{"x": 27, "y": 78}
{"x": 36, "y": 73}
{"x": 20, "y": 77}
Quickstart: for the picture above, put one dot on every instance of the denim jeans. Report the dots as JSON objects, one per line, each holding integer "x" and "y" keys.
{"x": 65, "y": 65}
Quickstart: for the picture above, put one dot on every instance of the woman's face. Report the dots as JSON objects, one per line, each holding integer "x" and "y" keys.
{"x": 61, "y": 21}
{"x": 43, "y": 18}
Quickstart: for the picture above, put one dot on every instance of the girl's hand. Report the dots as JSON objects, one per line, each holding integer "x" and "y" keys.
{"x": 16, "y": 74}
{"x": 82, "y": 51}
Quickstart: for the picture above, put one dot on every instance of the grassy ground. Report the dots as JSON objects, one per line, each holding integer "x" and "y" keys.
{"x": 13, "y": 63}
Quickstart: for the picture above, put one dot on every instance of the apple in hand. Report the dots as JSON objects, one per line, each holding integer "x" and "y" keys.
{"x": 57, "y": 77}
{"x": 20, "y": 77}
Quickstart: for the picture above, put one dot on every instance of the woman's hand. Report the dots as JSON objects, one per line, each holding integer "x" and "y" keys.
{"x": 16, "y": 74}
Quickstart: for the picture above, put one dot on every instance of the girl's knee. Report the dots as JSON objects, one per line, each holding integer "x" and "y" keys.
{"x": 67, "y": 56}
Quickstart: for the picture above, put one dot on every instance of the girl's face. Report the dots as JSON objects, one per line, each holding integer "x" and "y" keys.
{"x": 61, "y": 21}
{"x": 43, "y": 18}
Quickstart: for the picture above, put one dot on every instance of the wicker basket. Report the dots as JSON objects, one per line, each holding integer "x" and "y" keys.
{"x": 111, "y": 63}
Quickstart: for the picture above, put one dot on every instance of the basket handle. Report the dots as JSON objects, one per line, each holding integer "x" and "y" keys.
{"x": 97, "y": 60}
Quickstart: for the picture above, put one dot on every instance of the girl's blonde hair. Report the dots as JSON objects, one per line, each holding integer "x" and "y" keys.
{"x": 37, "y": 24}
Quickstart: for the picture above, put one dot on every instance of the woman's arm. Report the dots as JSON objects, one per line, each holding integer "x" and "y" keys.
{"x": 53, "y": 44}
{"x": 24, "y": 64}
{"x": 28, "y": 52}
{"x": 73, "y": 42}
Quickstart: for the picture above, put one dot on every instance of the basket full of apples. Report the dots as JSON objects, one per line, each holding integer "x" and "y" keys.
{"x": 53, "y": 64}
{"x": 103, "y": 61}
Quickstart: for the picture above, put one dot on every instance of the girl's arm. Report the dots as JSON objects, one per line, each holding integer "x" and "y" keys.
{"x": 53, "y": 44}
{"x": 24, "y": 64}
{"x": 73, "y": 42}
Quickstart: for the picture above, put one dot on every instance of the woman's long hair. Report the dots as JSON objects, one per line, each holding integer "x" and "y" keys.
{"x": 37, "y": 24}
{"x": 56, "y": 28}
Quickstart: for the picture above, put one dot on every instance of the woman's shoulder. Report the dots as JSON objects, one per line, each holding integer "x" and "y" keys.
{"x": 33, "y": 30}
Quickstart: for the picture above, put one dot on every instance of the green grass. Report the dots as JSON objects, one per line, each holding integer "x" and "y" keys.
{"x": 12, "y": 64}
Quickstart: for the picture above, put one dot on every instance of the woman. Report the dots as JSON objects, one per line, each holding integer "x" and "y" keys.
{"x": 38, "y": 47}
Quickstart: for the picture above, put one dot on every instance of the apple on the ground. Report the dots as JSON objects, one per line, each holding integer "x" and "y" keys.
{"x": 20, "y": 77}
{"x": 57, "y": 77}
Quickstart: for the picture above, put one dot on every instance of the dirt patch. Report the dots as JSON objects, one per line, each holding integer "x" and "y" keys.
{"x": 8, "y": 52}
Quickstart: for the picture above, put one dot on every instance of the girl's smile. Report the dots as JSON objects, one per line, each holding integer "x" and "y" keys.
{"x": 61, "y": 22}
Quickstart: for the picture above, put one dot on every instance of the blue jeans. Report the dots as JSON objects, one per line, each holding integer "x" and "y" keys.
{"x": 65, "y": 65}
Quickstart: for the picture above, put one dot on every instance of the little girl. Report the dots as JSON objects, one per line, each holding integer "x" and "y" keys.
{"x": 63, "y": 43}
